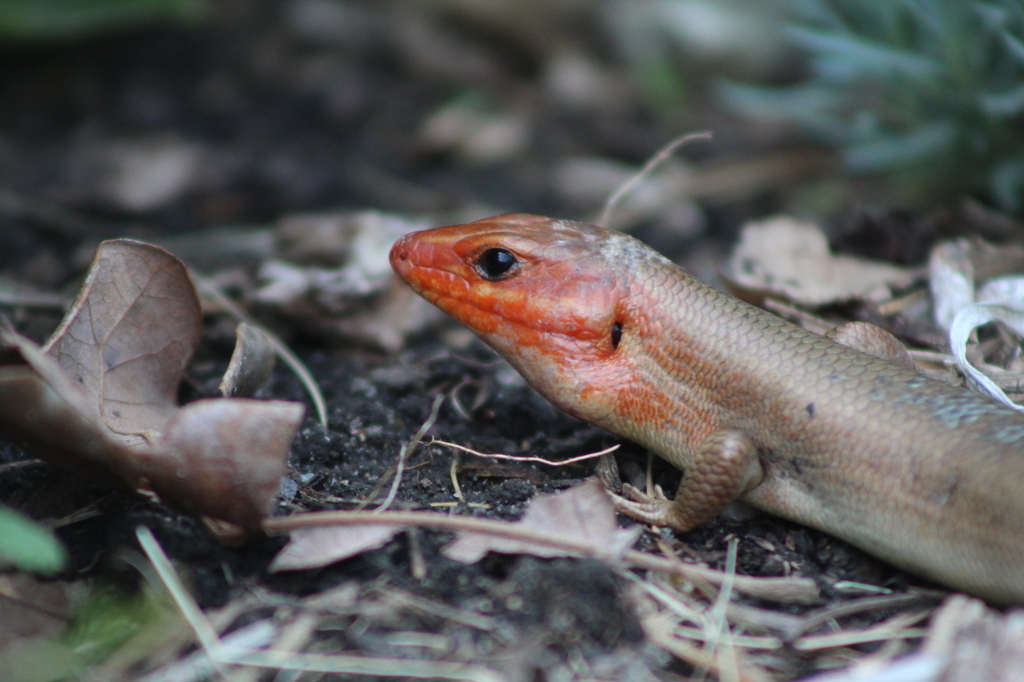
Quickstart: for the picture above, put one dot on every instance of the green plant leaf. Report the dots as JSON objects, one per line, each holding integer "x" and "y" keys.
{"x": 1014, "y": 47}
{"x": 927, "y": 91}
{"x": 886, "y": 152}
{"x": 34, "y": 20}
{"x": 1008, "y": 183}
{"x": 1003, "y": 104}
{"x": 865, "y": 56}
{"x": 796, "y": 103}
{"x": 28, "y": 545}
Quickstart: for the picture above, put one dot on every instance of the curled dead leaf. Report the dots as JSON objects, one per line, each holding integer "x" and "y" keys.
{"x": 100, "y": 397}
{"x": 130, "y": 334}
{"x": 252, "y": 363}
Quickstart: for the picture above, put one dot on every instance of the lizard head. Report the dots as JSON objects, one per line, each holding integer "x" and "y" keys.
{"x": 556, "y": 298}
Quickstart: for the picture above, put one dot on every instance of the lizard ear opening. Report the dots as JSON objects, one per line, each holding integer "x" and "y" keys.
{"x": 616, "y": 335}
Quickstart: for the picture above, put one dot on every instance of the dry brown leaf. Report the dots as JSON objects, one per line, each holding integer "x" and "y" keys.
{"x": 791, "y": 258}
{"x": 130, "y": 334}
{"x": 317, "y": 547}
{"x": 584, "y": 512}
{"x": 101, "y": 398}
{"x": 357, "y": 297}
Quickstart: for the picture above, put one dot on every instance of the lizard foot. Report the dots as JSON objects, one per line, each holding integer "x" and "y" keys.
{"x": 725, "y": 466}
{"x": 656, "y": 509}
{"x": 637, "y": 495}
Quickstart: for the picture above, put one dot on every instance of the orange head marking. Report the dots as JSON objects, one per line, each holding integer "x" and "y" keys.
{"x": 552, "y": 297}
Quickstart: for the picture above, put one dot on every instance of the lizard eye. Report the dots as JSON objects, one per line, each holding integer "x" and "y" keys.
{"x": 616, "y": 335}
{"x": 495, "y": 263}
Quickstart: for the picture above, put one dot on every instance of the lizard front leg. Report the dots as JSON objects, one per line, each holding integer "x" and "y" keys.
{"x": 725, "y": 466}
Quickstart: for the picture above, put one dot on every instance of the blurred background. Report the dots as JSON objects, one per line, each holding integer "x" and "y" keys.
{"x": 173, "y": 116}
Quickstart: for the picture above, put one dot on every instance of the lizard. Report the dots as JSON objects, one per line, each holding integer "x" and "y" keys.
{"x": 918, "y": 472}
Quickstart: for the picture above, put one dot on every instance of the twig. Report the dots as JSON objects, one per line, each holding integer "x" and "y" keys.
{"x": 813, "y": 620}
{"x": 897, "y": 627}
{"x": 787, "y": 590}
{"x": 721, "y": 641}
{"x": 406, "y": 452}
{"x": 223, "y": 654}
{"x": 799, "y": 317}
{"x": 454, "y": 474}
{"x": 658, "y": 633}
{"x": 629, "y": 185}
{"x": 33, "y": 299}
{"x": 517, "y": 458}
{"x": 10, "y": 466}
{"x": 53, "y": 217}
{"x": 898, "y": 305}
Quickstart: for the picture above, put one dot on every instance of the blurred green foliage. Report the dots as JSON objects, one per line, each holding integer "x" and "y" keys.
{"x": 929, "y": 92}
{"x": 673, "y": 46}
{"x": 52, "y": 20}
{"x": 110, "y": 617}
{"x": 137, "y": 624}
{"x": 28, "y": 545}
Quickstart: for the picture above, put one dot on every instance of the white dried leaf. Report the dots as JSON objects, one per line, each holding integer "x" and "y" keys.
{"x": 1008, "y": 290}
{"x": 951, "y": 280}
{"x": 966, "y": 321}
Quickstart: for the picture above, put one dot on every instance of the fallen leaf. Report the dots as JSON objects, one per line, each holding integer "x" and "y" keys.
{"x": 475, "y": 136}
{"x": 251, "y": 365}
{"x": 1004, "y": 290}
{"x": 360, "y": 298}
{"x": 224, "y": 458}
{"x": 784, "y": 256}
{"x": 130, "y": 334}
{"x": 584, "y": 512}
{"x": 951, "y": 280}
{"x": 965, "y": 322}
{"x": 976, "y": 642}
{"x": 316, "y": 547}
{"x": 100, "y": 397}
{"x": 138, "y": 174}
{"x": 959, "y": 309}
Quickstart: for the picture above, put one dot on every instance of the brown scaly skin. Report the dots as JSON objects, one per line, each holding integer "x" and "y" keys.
{"x": 924, "y": 475}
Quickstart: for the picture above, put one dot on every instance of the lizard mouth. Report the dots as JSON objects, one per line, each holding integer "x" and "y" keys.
{"x": 416, "y": 263}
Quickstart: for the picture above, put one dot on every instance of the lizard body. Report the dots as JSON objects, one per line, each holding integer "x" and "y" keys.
{"x": 920, "y": 473}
